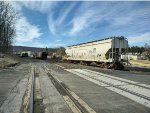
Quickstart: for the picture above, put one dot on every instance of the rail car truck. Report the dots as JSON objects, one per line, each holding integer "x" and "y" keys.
{"x": 105, "y": 52}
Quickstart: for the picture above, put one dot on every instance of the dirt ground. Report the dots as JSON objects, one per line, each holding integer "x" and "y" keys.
{"x": 8, "y": 60}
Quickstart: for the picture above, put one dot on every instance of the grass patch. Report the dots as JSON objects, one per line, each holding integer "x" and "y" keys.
{"x": 144, "y": 63}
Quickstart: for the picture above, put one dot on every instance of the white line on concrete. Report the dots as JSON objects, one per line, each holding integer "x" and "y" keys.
{"x": 131, "y": 87}
{"x": 113, "y": 77}
{"x": 120, "y": 79}
{"x": 122, "y": 89}
{"x": 60, "y": 66}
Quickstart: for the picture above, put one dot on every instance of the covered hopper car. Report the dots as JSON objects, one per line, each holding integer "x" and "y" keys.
{"x": 105, "y": 53}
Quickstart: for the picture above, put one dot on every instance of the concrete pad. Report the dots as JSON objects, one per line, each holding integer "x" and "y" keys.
{"x": 98, "y": 98}
{"x": 53, "y": 102}
{"x": 12, "y": 93}
{"x": 9, "y": 79}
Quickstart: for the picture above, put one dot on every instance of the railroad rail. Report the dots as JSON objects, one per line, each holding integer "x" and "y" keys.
{"x": 32, "y": 92}
{"x": 28, "y": 99}
{"x": 80, "y": 105}
{"x": 130, "y": 89}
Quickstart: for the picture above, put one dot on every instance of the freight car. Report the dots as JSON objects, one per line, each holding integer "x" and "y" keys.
{"x": 105, "y": 53}
{"x": 40, "y": 55}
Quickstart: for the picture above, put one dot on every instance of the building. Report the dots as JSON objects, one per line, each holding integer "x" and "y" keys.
{"x": 23, "y": 52}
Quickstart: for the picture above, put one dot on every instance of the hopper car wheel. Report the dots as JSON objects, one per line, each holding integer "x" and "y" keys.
{"x": 106, "y": 66}
{"x": 110, "y": 66}
{"x": 103, "y": 65}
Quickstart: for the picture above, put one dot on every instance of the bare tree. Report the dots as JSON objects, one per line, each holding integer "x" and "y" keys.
{"x": 7, "y": 26}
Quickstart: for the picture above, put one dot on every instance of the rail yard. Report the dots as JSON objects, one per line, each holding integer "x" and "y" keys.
{"x": 37, "y": 86}
{"x": 74, "y": 56}
{"x": 75, "y": 85}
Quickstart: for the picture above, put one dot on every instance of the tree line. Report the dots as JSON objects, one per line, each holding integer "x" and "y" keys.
{"x": 7, "y": 26}
{"x": 145, "y": 50}
{"x": 136, "y": 50}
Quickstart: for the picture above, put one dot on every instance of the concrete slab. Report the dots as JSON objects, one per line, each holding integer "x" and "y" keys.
{"x": 12, "y": 88}
{"x": 53, "y": 102}
{"x": 9, "y": 79}
{"x": 98, "y": 98}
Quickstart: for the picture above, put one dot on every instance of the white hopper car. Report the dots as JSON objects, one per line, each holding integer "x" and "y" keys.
{"x": 106, "y": 52}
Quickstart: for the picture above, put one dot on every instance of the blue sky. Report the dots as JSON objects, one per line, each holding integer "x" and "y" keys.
{"x": 55, "y": 23}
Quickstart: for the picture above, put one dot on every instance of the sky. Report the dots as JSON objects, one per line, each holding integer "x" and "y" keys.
{"x": 65, "y": 23}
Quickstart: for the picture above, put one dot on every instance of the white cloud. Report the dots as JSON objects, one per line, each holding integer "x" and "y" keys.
{"x": 56, "y": 24}
{"x": 15, "y": 5}
{"x": 42, "y": 6}
{"x": 142, "y": 38}
{"x": 58, "y": 40}
{"x": 121, "y": 20}
{"x": 51, "y": 25}
{"x": 84, "y": 20}
{"x": 25, "y": 31}
{"x": 116, "y": 14}
{"x": 78, "y": 25}
{"x": 65, "y": 12}
{"x": 86, "y": 17}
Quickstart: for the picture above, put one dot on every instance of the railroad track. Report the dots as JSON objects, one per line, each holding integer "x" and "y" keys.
{"x": 28, "y": 98}
{"x": 76, "y": 104}
{"x": 130, "y": 89}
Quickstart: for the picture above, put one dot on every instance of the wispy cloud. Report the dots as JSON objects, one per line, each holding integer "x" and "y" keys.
{"x": 58, "y": 40}
{"x": 41, "y": 6}
{"x": 142, "y": 38}
{"x": 65, "y": 12}
{"x": 25, "y": 31}
{"x": 83, "y": 20}
{"x": 55, "y": 24}
{"x": 115, "y": 14}
{"x": 69, "y": 20}
{"x": 51, "y": 25}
